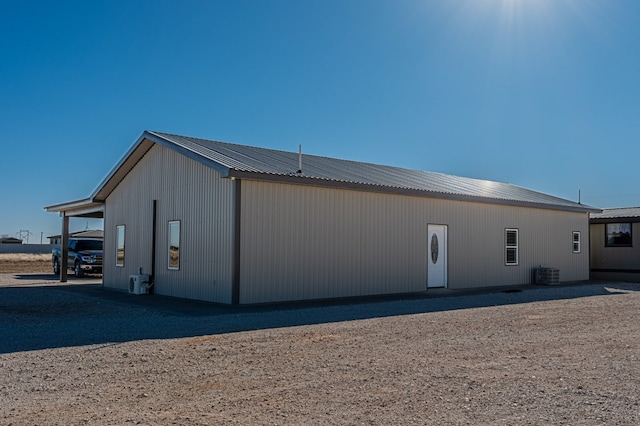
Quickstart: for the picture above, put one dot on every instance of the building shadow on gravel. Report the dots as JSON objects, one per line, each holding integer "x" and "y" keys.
{"x": 36, "y": 277}
{"x": 52, "y": 277}
{"x": 42, "y": 317}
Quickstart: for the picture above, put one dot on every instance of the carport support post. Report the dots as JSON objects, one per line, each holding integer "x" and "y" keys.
{"x": 64, "y": 248}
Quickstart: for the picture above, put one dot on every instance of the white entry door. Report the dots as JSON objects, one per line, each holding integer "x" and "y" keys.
{"x": 437, "y": 256}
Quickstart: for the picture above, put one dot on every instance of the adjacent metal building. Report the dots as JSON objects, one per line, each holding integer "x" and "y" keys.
{"x": 236, "y": 224}
{"x": 615, "y": 244}
{"x": 10, "y": 240}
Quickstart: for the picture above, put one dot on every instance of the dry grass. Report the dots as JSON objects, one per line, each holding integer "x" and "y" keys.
{"x": 25, "y": 257}
{"x": 24, "y": 263}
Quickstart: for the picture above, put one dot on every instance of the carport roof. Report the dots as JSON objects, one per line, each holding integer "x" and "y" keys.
{"x": 86, "y": 207}
{"x": 247, "y": 162}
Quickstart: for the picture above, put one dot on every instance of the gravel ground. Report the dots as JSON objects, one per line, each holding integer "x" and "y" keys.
{"x": 78, "y": 354}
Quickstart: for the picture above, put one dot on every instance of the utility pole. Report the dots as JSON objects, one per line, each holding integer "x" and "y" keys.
{"x": 23, "y": 234}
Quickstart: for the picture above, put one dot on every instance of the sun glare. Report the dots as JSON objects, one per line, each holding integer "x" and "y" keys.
{"x": 513, "y": 33}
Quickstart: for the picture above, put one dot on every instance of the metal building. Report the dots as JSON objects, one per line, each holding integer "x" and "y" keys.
{"x": 615, "y": 244}
{"x": 236, "y": 224}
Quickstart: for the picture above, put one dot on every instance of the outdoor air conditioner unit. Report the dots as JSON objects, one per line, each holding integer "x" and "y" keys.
{"x": 139, "y": 284}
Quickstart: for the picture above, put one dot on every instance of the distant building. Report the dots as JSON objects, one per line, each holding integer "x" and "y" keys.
{"x": 92, "y": 233}
{"x": 10, "y": 240}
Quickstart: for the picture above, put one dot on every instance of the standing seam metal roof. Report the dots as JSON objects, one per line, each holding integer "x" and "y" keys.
{"x": 263, "y": 161}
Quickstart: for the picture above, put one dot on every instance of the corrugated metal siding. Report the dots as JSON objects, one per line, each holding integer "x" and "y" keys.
{"x": 187, "y": 191}
{"x": 302, "y": 242}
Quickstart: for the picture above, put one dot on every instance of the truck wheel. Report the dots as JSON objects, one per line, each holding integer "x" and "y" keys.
{"x": 78, "y": 270}
{"x": 56, "y": 266}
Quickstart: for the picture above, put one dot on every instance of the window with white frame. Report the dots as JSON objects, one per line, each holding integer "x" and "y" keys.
{"x": 576, "y": 242}
{"x": 174, "y": 245}
{"x": 511, "y": 246}
{"x": 120, "y": 245}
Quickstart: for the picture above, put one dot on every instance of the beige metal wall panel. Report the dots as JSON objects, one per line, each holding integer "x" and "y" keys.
{"x": 186, "y": 191}
{"x": 477, "y": 244}
{"x": 306, "y": 243}
{"x": 623, "y": 258}
{"x": 303, "y": 242}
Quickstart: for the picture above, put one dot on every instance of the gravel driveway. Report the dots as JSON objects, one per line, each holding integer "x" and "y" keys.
{"x": 79, "y": 354}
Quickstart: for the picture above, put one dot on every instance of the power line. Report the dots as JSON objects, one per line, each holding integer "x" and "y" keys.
{"x": 23, "y": 234}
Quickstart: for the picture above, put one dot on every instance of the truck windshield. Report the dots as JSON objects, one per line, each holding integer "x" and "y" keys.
{"x": 88, "y": 245}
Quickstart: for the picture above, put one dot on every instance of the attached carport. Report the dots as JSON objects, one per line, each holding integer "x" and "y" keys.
{"x": 87, "y": 208}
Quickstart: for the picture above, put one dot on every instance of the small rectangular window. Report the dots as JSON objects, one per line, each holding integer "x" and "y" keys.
{"x": 618, "y": 235}
{"x": 120, "y": 245}
{"x": 576, "y": 242}
{"x": 511, "y": 246}
{"x": 174, "y": 244}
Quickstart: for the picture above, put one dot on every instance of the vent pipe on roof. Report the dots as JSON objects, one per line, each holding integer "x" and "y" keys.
{"x": 299, "y": 159}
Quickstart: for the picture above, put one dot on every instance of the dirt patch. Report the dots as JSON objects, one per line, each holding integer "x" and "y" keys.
{"x": 566, "y": 361}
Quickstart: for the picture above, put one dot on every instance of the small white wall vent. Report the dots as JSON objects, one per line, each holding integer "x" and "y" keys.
{"x": 139, "y": 284}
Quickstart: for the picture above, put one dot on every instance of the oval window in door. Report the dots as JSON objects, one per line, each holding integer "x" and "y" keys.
{"x": 434, "y": 248}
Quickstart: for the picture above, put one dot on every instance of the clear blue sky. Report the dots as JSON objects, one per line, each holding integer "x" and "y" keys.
{"x": 543, "y": 94}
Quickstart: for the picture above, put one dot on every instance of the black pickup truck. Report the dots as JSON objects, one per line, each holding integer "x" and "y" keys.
{"x": 85, "y": 256}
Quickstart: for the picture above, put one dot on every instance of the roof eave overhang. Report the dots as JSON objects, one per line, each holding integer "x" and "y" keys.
{"x": 154, "y": 137}
{"x": 144, "y": 143}
{"x": 86, "y": 207}
{"x": 627, "y": 219}
{"x": 327, "y": 183}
